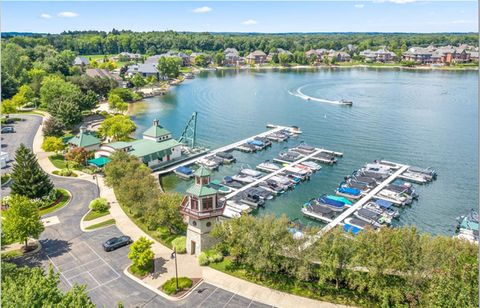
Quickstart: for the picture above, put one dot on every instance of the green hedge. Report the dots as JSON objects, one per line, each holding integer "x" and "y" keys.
{"x": 180, "y": 244}
{"x": 212, "y": 256}
{"x": 170, "y": 285}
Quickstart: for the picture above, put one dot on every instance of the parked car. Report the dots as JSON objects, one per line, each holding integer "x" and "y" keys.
{"x": 117, "y": 242}
{"x": 7, "y": 129}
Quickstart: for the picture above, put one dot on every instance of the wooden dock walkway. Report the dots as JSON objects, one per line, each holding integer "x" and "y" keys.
{"x": 226, "y": 148}
{"x": 357, "y": 205}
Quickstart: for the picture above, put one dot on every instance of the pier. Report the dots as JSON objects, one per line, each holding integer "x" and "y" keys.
{"x": 232, "y": 146}
{"x": 339, "y": 220}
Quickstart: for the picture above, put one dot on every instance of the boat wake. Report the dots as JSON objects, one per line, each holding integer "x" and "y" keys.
{"x": 300, "y": 94}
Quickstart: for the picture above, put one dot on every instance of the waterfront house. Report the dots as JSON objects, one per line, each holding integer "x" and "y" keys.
{"x": 193, "y": 55}
{"x": 144, "y": 69}
{"x": 418, "y": 55}
{"x": 256, "y": 57}
{"x": 279, "y": 51}
{"x": 184, "y": 57}
{"x": 381, "y": 55}
{"x": 338, "y": 56}
{"x": 103, "y": 73}
{"x": 85, "y": 139}
{"x": 318, "y": 53}
{"x": 473, "y": 56}
{"x": 441, "y": 55}
{"x": 128, "y": 56}
{"x": 156, "y": 148}
{"x": 232, "y": 57}
{"x": 81, "y": 62}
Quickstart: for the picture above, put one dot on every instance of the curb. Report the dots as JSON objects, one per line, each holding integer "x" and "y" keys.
{"x": 7, "y": 182}
{"x": 67, "y": 203}
{"x": 84, "y": 228}
{"x": 39, "y": 247}
{"x": 153, "y": 289}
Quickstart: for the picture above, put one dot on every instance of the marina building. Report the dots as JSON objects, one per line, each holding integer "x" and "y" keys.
{"x": 85, "y": 139}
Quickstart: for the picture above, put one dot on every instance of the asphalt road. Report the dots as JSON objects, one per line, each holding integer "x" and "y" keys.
{"x": 79, "y": 258}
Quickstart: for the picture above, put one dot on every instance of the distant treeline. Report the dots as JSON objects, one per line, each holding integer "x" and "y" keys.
{"x": 98, "y": 42}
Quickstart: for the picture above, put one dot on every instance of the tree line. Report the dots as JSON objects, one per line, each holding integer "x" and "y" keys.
{"x": 154, "y": 42}
{"x": 392, "y": 267}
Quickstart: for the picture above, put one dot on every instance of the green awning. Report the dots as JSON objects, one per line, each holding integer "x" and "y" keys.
{"x": 99, "y": 162}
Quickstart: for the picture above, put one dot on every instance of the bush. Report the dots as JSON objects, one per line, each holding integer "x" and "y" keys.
{"x": 180, "y": 244}
{"x": 203, "y": 259}
{"x": 170, "y": 286}
{"x": 99, "y": 205}
{"x": 65, "y": 172}
{"x": 53, "y": 127}
{"x": 215, "y": 257}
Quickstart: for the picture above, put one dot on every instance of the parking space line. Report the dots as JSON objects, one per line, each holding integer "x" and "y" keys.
{"x": 69, "y": 270}
{"x": 229, "y": 300}
{"x": 103, "y": 260}
{"x": 103, "y": 284}
{"x": 70, "y": 253}
{"x": 58, "y": 270}
{"x": 88, "y": 271}
{"x": 200, "y": 305}
{"x": 93, "y": 278}
{"x": 251, "y": 301}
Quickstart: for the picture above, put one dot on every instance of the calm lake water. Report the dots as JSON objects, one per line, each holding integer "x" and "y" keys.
{"x": 421, "y": 118}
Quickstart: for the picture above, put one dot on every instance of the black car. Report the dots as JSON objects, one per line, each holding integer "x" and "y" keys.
{"x": 7, "y": 129}
{"x": 117, "y": 242}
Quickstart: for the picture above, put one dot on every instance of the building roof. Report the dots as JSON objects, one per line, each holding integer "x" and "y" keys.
{"x": 118, "y": 145}
{"x": 102, "y": 73}
{"x": 81, "y": 61}
{"x": 84, "y": 139}
{"x": 99, "y": 161}
{"x": 145, "y": 147}
{"x": 156, "y": 130}
{"x": 231, "y": 50}
{"x": 256, "y": 53}
{"x": 201, "y": 172}
{"x": 201, "y": 190}
{"x": 147, "y": 68}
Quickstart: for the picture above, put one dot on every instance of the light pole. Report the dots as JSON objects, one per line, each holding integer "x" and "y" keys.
{"x": 95, "y": 177}
{"x": 174, "y": 256}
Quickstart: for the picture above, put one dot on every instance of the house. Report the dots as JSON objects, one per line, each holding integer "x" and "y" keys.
{"x": 473, "y": 56}
{"x": 155, "y": 148}
{"x": 256, "y": 57}
{"x": 441, "y": 55}
{"x": 338, "y": 56}
{"x": 381, "y": 55}
{"x": 128, "y": 56}
{"x": 419, "y": 55}
{"x": 144, "y": 69}
{"x": 81, "y": 61}
{"x": 85, "y": 139}
{"x": 318, "y": 53}
{"x": 279, "y": 51}
{"x": 184, "y": 57}
{"x": 103, "y": 73}
{"x": 193, "y": 55}
{"x": 232, "y": 57}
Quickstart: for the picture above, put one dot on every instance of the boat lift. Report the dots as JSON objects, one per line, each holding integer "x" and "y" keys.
{"x": 189, "y": 134}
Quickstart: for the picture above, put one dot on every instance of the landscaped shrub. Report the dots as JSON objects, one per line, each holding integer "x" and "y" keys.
{"x": 99, "y": 205}
{"x": 65, "y": 172}
{"x": 203, "y": 259}
{"x": 215, "y": 257}
{"x": 170, "y": 286}
{"x": 180, "y": 244}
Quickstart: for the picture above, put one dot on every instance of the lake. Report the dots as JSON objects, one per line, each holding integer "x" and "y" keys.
{"x": 421, "y": 118}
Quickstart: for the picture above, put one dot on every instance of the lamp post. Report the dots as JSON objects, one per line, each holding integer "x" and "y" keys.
{"x": 174, "y": 256}
{"x": 95, "y": 177}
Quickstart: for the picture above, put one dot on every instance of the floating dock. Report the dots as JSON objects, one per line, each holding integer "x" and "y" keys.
{"x": 232, "y": 146}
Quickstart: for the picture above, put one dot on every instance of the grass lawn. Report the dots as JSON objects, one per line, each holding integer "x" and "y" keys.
{"x": 101, "y": 224}
{"x": 63, "y": 201}
{"x": 58, "y": 161}
{"x": 12, "y": 254}
{"x": 95, "y": 214}
{"x": 304, "y": 289}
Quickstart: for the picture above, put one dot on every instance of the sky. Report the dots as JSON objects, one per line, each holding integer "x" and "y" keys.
{"x": 245, "y": 16}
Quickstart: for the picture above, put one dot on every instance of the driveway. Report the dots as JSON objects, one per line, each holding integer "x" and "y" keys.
{"x": 79, "y": 258}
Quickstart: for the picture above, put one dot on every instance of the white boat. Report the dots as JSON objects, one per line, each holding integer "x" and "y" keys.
{"x": 268, "y": 166}
{"x": 282, "y": 180}
{"x": 230, "y": 212}
{"x": 312, "y": 165}
{"x": 241, "y": 207}
{"x": 299, "y": 171}
{"x": 392, "y": 196}
{"x": 207, "y": 163}
{"x": 243, "y": 178}
{"x": 251, "y": 172}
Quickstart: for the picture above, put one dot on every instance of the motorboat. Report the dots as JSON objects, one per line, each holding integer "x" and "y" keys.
{"x": 409, "y": 191}
{"x": 320, "y": 212}
{"x": 393, "y": 197}
{"x": 364, "y": 188}
{"x": 379, "y": 168}
{"x": 252, "y": 200}
{"x": 346, "y": 102}
{"x": 259, "y": 145}
{"x": 312, "y": 165}
{"x": 426, "y": 171}
{"x": 279, "y": 137}
{"x": 300, "y": 171}
{"x": 367, "y": 180}
{"x": 238, "y": 206}
{"x": 265, "y": 194}
{"x": 338, "y": 198}
{"x": 285, "y": 182}
{"x": 227, "y": 157}
{"x": 371, "y": 174}
{"x": 251, "y": 172}
{"x": 243, "y": 178}
{"x": 369, "y": 217}
{"x": 382, "y": 207}
{"x": 304, "y": 149}
{"x": 288, "y": 156}
{"x": 216, "y": 159}
{"x": 294, "y": 178}
{"x": 325, "y": 158}
{"x": 273, "y": 186}
{"x": 229, "y": 212}
{"x": 265, "y": 141}
{"x": 268, "y": 166}
{"x": 222, "y": 189}
{"x": 348, "y": 192}
{"x": 230, "y": 182}
{"x": 183, "y": 172}
{"x": 207, "y": 163}
{"x": 336, "y": 206}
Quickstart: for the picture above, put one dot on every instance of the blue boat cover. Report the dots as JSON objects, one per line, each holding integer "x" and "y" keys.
{"x": 331, "y": 202}
{"x": 383, "y": 203}
{"x": 255, "y": 142}
{"x": 184, "y": 170}
{"x": 350, "y": 228}
{"x": 349, "y": 190}
{"x": 228, "y": 179}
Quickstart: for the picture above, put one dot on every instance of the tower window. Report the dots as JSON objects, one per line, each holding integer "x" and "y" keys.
{"x": 194, "y": 203}
{"x": 207, "y": 203}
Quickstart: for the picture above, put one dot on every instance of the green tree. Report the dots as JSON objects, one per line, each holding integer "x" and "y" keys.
{"x": 312, "y": 60}
{"x": 115, "y": 102}
{"x": 22, "y": 220}
{"x": 169, "y": 67}
{"x": 166, "y": 213}
{"x": 32, "y": 287}
{"x": 88, "y": 101}
{"x": 117, "y": 127}
{"x": 138, "y": 81}
{"x": 24, "y": 95}
{"x": 36, "y": 75}
{"x": 53, "y": 144}
{"x": 78, "y": 155}
{"x": 53, "y": 127}
{"x": 141, "y": 253}
{"x": 15, "y": 64}
{"x": 283, "y": 59}
{"x": 219, "y": 58}
{"x": 201, "y": 60}
{"x": 28, "y": 178}
{"x": 8, "y": 106}
{"x": 300, "y": 57}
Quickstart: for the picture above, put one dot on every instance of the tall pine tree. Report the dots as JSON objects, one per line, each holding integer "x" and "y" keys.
{"x": 28, "y": 178}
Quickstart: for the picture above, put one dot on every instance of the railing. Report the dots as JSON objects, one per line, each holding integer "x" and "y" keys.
{"x": 201, "y": 214}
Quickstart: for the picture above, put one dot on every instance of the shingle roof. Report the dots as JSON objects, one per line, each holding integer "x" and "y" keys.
{"x": 145, "y": 147}
{"x": 84, "y": 139}
{"x": 200, "y": 190}
{"x": 81, "y": 61}
{"x": 156, "y": 131}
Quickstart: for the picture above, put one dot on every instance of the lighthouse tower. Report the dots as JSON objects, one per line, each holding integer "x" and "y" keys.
{"x": 202, "y": 208}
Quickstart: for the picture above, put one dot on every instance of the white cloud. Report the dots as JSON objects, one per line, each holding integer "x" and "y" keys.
{"x": 250, "y": 22}
{"x": 359, "y": 6}
{"x": 45, "y": 16}
{"x": 67, "y": 14}
{"x": 203, "y": 9}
